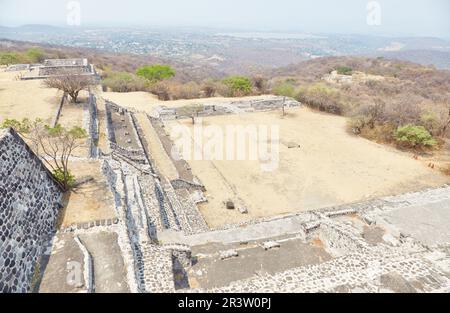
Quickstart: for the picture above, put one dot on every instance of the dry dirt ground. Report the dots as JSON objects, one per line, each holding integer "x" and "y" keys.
{"x": 26, "y": 99}
{"x": 90, "y": 201}
{"x": 330, "y": 168}
{"x": 30, "y": 99}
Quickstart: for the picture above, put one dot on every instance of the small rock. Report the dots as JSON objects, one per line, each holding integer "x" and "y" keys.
{"x": 230, "y": 205}
{"x": 293, "y": 145}
{"x": 270, "y": 245}
{"x": 243, "y": 210}
{"x": 224, "y": 255}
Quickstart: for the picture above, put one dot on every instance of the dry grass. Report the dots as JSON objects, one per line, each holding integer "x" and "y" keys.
{"x": 26, "y": 99}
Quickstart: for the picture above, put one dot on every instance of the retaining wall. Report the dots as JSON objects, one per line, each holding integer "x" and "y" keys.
{"x": 29, "y": 206}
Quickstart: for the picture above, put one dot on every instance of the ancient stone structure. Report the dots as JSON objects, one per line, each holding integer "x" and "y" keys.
{"x": 92, "y": 126}
{"x": 162, "y": 237}
{"x": 230, "y": 107}
{"x": 55, "y": 67}
{"x": 29, "y": 207}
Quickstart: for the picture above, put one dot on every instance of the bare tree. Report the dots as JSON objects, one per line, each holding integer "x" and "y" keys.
{"x": 260, "y": 83}
{"x": 70, "y": 83}
{"x": 209, "y": 90}
{"x": 54, "y": 145}
{"x": 374, "y": 112}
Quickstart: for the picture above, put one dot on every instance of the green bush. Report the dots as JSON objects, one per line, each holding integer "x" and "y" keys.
{"x": 238, "y": 85}
{"x": 156, "y": 73}
{"x": 68, "y": 181}
{"x": 35, "y": 55}
{"x": 284, "y": 89}
{"x": 414, "y": 136}
{"x": 344, "y": 70}
{"x": 7, "y": 58}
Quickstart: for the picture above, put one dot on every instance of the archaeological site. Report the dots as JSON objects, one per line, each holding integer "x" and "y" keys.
{"x": 145, "y": 217}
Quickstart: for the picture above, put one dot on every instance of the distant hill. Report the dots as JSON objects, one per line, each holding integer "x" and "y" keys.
{"x": 116, "y": 61}
{"x": 440, "y": 59}
{"x": 215, "y": 50}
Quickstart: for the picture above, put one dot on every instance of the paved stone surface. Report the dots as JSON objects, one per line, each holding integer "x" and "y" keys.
{"x": 63, "y": 271}
{"x": 428, "y": 223}
{"x": 109, "y": 269}
{"x": 210, "y": 271}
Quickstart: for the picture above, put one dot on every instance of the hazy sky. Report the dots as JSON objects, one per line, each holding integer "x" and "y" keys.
{"x": 398, "y": 17}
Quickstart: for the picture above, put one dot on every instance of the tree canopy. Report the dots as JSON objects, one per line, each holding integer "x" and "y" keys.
{"x": 239, "y": 85}
{"x": 156, "y": 73}
{"x": 71, "y": 84}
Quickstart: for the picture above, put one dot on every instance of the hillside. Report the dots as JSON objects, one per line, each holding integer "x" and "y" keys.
{"x": 121, "y": 62}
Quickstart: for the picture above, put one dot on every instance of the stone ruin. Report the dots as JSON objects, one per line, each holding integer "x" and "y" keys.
{"x": 230, "y": 107}
{"x": 54, "y": 67}
{"x": 352, "y": 254}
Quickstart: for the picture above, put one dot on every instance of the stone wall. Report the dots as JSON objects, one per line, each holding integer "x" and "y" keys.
{"x": 66, "y": 62}
{"x": 93, "y": 126}
{"x": 29, "y": 206}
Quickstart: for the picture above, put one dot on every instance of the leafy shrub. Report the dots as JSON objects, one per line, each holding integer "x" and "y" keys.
{"x": 156, "y": 73}
{"x": 35, "y": 55}
{"x": 344, "y": 70}
{"x": 65, "y": 178}
{"x": 238, "y": 86}
{"x": 284, "y": 89}
{"x": 414, "y": 136}
{"x": 7, "y": 58}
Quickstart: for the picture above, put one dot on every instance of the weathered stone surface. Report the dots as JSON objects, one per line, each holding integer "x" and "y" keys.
{"x": 29, "y": 206}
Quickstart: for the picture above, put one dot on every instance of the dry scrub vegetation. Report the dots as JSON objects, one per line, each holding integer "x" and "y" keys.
{"x": 407, "y": 95}
{"x": 408, "y": 105}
